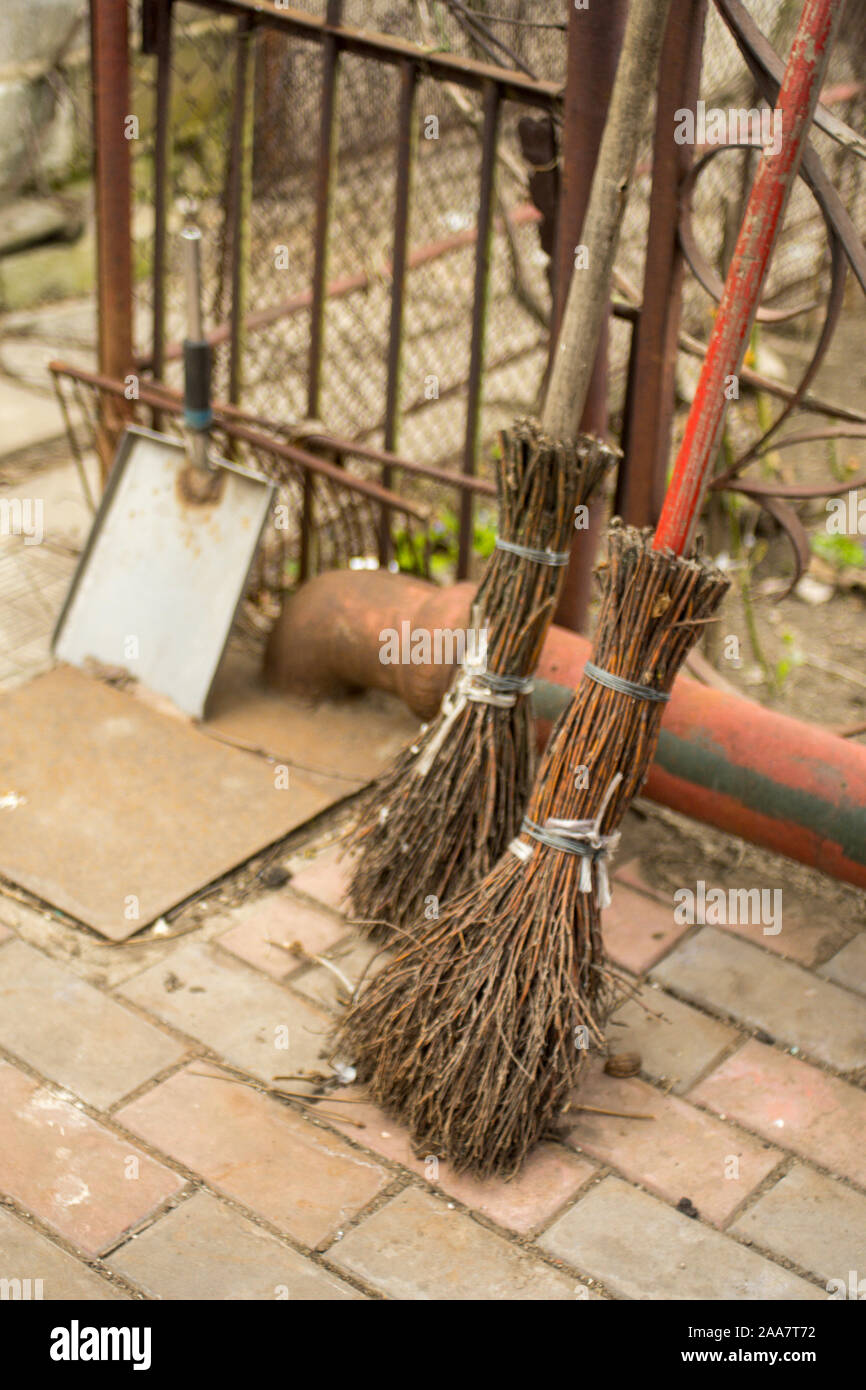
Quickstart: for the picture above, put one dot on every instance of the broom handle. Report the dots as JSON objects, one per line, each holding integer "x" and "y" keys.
{"x": 587, "y": 304}
{"x": 801, "y": 86}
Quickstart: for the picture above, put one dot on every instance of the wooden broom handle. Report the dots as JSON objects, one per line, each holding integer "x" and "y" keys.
{"x": 587, "y": 304}
{"x": 801, "y": 86}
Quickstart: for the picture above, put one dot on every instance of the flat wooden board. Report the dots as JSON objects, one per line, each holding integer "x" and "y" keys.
{"x": 115, "y": 812}
{"x": 337, "y": 744}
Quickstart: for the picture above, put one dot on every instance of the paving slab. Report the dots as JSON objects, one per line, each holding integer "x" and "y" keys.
{"x": 72, "y": 1033}
{"x": 793, "y": 1105}
{"x": 280, "y": 917}
{"x": 299, "y": 1176}
{"x": 638, "y": 929}
{"x": 806, "y": 937}
{"x": 848, "y": 966}
{"x": 676, "y": 1043}
{"x": 77, "y": 1176}
{"x": 630, "y": 873}
{"x": 29, "y": 417}
{"x": 325, "y": 876}
{"x": 140, "y": 809}
{"x": 238, "y": 1013}
{"x": 680, "y": 1153}
{"x": 416, "y": 1248}
{"x": 549, "y": 1178}
{"x": 205, "y": 1250}
{"x": 355, "y": 957}
{"x": 33, "y": 583}
{"x": 641, "y": 1248}
{"x": 724, "y": 973}
{"x": 26, "y": 1254}
{"x": 814, "y": 1221}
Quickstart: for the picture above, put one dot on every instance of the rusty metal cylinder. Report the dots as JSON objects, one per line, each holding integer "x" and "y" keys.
{"x": 788, "y": 786}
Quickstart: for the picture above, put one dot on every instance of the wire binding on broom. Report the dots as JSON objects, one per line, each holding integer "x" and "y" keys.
{"x": 445, "y": 810}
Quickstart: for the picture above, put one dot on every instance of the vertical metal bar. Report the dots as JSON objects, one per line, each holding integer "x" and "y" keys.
{"x": 240, "y": 198}
{"x": 403, "y": 192}
{"x": 594, "y": 42}
{"x": 326, "y": 163}
{"x": 649, "y": 407}
{"x": 162, "y": 20}
{"x": 109, "y": 36}
{"x": 483, "y": 246}
{"x": 273, "y": 122}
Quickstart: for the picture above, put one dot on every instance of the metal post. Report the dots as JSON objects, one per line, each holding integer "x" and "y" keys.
{"x": 161, "y": 20}
{"x": 479, "y": 316}
{"x": 109, "y": 38}
{"x": 594, "y": 42}
{"x": 240, "y": 196}
{"x": 405, "y": 160}
{"x": 327, "y": 161}
{"x": 649, "y": 408}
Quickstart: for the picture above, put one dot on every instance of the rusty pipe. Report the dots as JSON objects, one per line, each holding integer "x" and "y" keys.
{"x": 782, "y": 784}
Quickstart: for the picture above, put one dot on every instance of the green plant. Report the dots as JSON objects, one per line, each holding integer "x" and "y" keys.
{"x": 841, "y": 552}
{"x": 792, "y": 658}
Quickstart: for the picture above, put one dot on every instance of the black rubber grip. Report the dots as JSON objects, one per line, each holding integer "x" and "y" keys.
{"x": 196, "y": 383}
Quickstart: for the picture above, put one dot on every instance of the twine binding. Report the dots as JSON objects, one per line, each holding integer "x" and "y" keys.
{"x": 581, "y": 837}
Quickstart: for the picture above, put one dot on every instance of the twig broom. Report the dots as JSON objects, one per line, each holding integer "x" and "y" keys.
{"x": 441, "y": 816}
{"x": 475, "y": 1033}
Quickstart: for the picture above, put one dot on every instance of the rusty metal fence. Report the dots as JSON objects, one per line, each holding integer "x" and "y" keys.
{"x": 378, "y": 235}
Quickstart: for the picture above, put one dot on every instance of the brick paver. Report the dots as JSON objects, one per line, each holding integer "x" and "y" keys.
{"x": 682, "y": 1152}
{"x": 548, "y": 1179}
{"x": 817, "y": 1223}
{"x": 297, "y": 1175}
{"x": 322, "y": 986}
{"x": 325, "y": 877}
{"x": 70, "y": 1032}
{"x": 848, "y": 966}
{"x": 233, "y": 1010}
{"x": 638, "y": 930}
{"x": 640, "y": 1248}
{"x": 793, "y": 1105}
{"x": 805, "y": 937}
{"x": 416, "y": 1248}
{"x": 85, "y": 1182}
{"x": 283, "y": 918}
{"x": 204, "y": 1250}
{"x": 630, "y": 873}
{"x": 26, "y": 1254}
{"x": 791, "y": 1004}
{"x": 675, "y": 1048}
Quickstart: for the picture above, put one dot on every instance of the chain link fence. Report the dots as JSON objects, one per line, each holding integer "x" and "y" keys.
{"x": 285, "y": 76}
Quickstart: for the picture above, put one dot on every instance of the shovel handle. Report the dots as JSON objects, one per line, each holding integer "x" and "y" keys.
{"x": 197, "y": 352}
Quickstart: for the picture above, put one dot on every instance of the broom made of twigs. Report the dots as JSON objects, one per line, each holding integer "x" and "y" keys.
{"x": 440, "y": 816}
{"x": 445, "y": 810}
{"x": 475, "y": 1033}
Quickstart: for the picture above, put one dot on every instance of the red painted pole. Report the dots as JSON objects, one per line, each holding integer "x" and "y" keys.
{"x": 798, "y": 96}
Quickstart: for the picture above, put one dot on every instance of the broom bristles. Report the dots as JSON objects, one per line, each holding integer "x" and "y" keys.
{"x": 476, "y": 1032}
{"x": 440, "y": 817}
